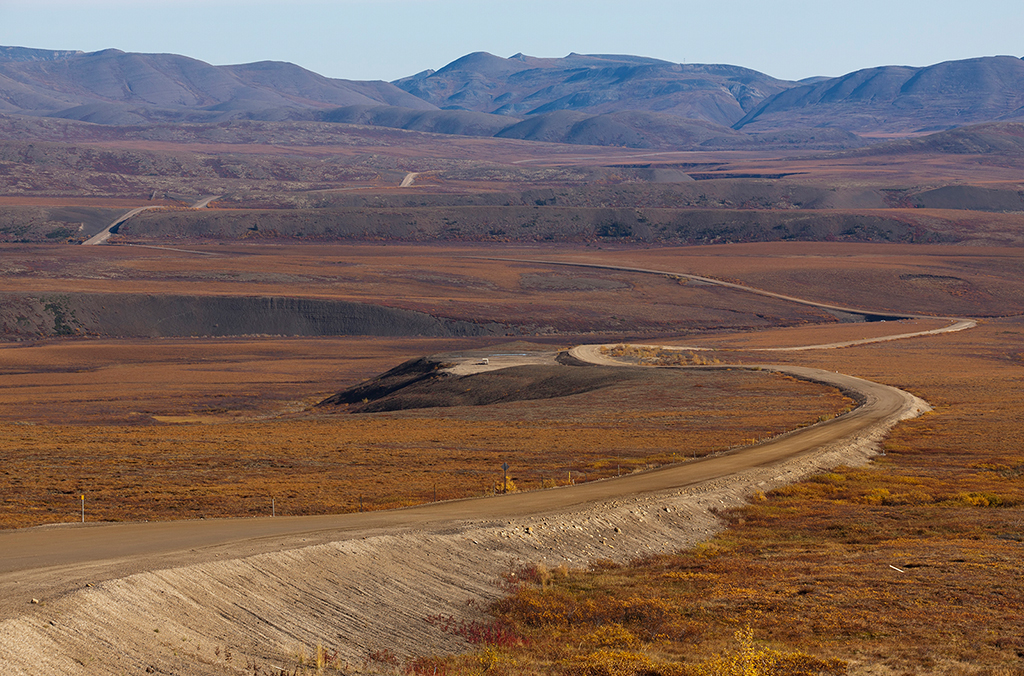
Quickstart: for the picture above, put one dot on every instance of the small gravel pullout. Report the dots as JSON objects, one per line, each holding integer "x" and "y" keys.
{"x": 180, "y": 596}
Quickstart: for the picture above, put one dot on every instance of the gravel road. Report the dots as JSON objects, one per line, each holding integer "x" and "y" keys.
{"x": 124, "y": 598}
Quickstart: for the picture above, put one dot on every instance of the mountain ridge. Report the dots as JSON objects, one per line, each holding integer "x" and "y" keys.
{"x": 596, "y": 84}
{"x": 170, "y": 85}
{"x": 901, "y": 99}
{"x": 587, "y": 99}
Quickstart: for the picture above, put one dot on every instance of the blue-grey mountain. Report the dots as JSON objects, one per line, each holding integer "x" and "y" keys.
{"x": 114, "y": 87}
{"x": 624, "y": 101}
{"x": 595, "y": 84}
{"x": 900, "y": 99}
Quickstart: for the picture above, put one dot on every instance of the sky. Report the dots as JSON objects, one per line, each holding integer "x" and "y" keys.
{"x": 389, "y": 39}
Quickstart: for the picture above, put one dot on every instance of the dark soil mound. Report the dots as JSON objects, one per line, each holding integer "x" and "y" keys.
{"x": 402, "y": 376}
{"x": 420, "y": 384}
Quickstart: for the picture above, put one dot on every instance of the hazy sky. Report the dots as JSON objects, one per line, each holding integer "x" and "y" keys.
{"x": 388, "y": 39}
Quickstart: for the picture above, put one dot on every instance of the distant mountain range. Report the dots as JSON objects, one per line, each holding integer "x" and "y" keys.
{"x": 584, "y": 99}
{"x": 114, "y": 87}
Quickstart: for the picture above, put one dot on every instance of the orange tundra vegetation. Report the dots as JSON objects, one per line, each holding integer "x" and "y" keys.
{"x": 339, "y": 463}
{"x": 910, "y": 565}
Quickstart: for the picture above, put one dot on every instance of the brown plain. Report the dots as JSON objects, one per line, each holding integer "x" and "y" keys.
{"x": 911, "y": 565}
{"x": 212, "y": 423}
{"x": 925, "y": 500}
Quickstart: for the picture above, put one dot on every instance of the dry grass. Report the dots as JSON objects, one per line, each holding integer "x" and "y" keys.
{"x": 657, "y": 356}
{"x": 909, "y": 566}
{"x": 919, "y": 279}
{"x": 188, "y": 379}
{"x": 331, "y": 464}
{"x": 473, "y": 163}
{"x": 445, "y": 281}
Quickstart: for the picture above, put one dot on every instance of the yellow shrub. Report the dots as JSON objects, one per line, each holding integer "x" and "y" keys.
{"x": 749, "y": 660}
{"x": 752, "y": 660}
{"x": 611, "y": 636}
{"x": 876, "y": 496}
{"x": 506, "y": 486}
{"x": 910, "y": 498}
{"x": 492, "y": 659}
{"x": 617, "y": 663}
{"x": 979, "y": 499}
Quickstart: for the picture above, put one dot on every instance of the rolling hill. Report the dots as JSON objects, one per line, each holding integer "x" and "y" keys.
{"x": 596, "y": 84}
{"x": 993, "y": 139}
{"x": 114, "y": 87}
{"x": 900, "y": 99}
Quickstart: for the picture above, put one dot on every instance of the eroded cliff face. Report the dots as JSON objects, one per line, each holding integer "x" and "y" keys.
{"x": 148, "y": 315}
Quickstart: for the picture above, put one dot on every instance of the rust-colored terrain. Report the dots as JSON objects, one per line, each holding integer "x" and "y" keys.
{"x": 199, "y": 464}
{"x": 188, "y": 427}
{"x": 173, "y": 373}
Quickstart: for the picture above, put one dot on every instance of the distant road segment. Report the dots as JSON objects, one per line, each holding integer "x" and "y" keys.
{"x": 104, "y": 235}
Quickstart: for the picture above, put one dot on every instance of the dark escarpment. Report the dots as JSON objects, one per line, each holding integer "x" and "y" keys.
{"x": 147, "y": 315}
{"x": 530, "y": 224}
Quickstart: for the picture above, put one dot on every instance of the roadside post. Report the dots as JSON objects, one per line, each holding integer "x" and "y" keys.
{"x": 83, "y": 508}
{"x": 504, "y": 481}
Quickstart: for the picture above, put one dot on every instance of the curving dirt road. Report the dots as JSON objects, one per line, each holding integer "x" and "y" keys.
{"x": 728, "y": 285}
{"x": 265, "y": 586}
{"x": 954, "y": 326}
{"x": 116, "y": 598}
{"x": 59, "y": 555}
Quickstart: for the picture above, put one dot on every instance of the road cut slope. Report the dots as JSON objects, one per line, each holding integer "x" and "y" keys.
{"x": 179, "y": 596}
